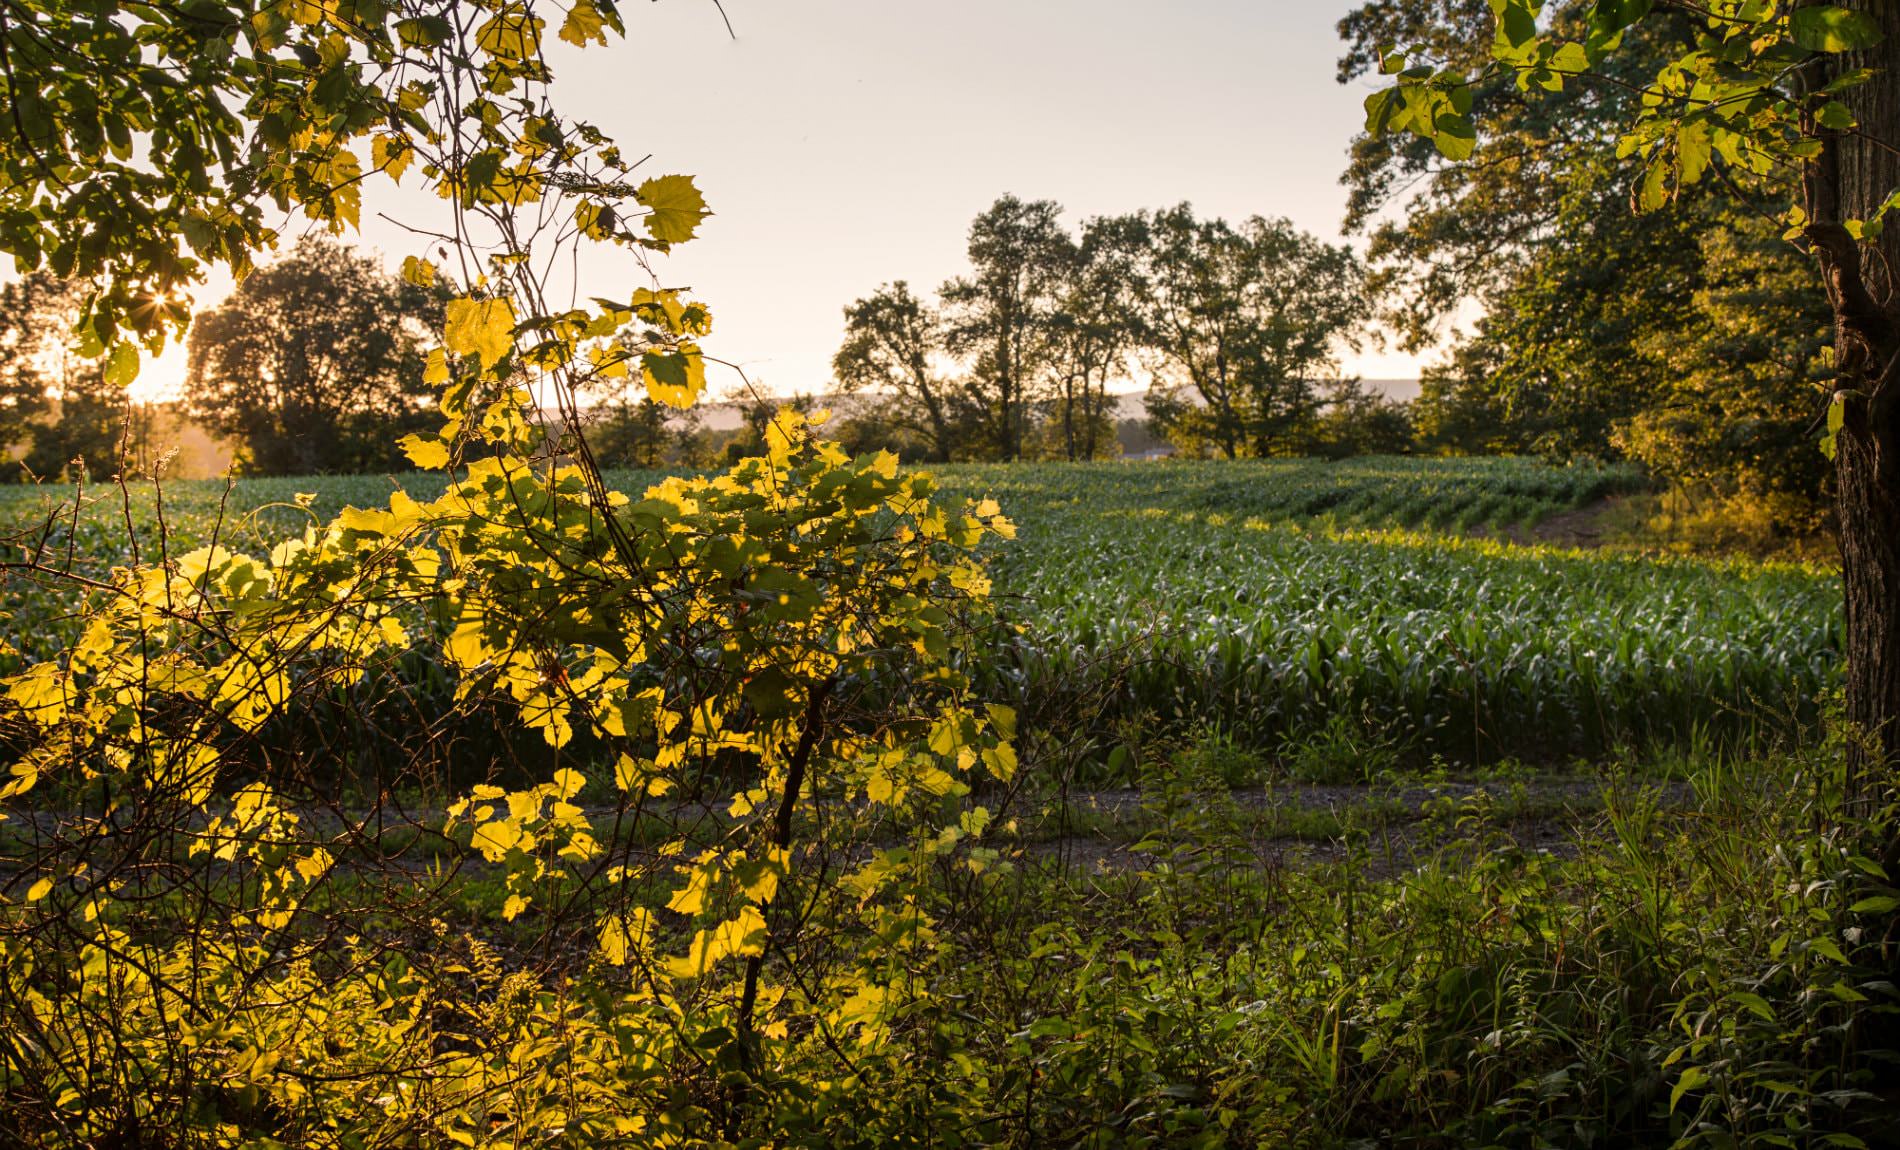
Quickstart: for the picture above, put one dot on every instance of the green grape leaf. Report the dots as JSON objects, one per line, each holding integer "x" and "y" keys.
{"x": 1825, "y": 28}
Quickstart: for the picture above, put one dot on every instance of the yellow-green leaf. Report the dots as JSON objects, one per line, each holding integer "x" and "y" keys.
{"x": 428, "y": 454}
{"x": 674, "y": 378}
{"x": 583, "y": 24}
{"x": 122, "y": 364}
{"x": 674, "y": 206}
{"x": 484, "y": 328}
{"x": 1827, "y": 28}
{"x": 510, "y": 34}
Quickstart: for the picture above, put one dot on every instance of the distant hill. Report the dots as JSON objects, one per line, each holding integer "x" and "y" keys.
{"x": 1133, "y": 404}
{"x": 1128, "y": 404}
{"x": 1399, "y": 390}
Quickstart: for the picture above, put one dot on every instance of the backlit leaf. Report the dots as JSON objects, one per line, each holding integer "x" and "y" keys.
{"x": 483, "y": 328}
{"x": 1826, "y": 28}
{"x": 674, "y": 206}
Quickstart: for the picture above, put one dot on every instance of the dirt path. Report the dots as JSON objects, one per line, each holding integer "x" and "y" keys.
{"x": 1122, "y": 829}
{"x": 1585, "y": 528}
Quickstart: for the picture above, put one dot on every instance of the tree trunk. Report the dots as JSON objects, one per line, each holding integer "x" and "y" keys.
{"x": 1068, "y": 416}
{"x": 1091, "y": 415}
{"x": 1851, "y": 179}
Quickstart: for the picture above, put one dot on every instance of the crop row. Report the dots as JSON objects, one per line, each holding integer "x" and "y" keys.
{"x": 1417, "y": 642}
{"x": 1376, "y": 491}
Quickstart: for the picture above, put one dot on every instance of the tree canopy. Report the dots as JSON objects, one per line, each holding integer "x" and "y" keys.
{"x": 1001, "y": 314}
{"x": 1792, "y": 99}
{"x": 892, "y": 343}
{"x": 1585, "y": 300}
{"x": 1237, "y": 329}
{"x": 315, "y": 363}
{"x": 1248, "y": 318}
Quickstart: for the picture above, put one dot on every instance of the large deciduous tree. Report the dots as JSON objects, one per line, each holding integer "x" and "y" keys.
{"x": 1247, "y": 319}
{"x": 1585, "y": 300}
{"x": 888, "y": 361}
{"x": 315, "y": 363}
{"x": 1096, "y": 327}
{"x": 1001, "y": 313}
{"x": 1767, "y": 88}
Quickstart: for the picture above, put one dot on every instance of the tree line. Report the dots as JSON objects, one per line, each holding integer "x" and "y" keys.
{"x": 1235, "y": 329}
{"x": 314, "y": 364}
{"x": 1693, "y": 341}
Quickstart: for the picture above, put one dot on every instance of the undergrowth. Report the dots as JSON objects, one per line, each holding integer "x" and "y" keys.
{"x": 1702, "y": 972}
{"x": 1688, "y": 968}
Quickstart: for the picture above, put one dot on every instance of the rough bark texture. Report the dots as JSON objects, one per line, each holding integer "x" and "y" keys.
{"x": 1850, "y": 180}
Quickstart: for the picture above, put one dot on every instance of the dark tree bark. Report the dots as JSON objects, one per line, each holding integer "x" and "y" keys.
{"x": 1851, "y": 179}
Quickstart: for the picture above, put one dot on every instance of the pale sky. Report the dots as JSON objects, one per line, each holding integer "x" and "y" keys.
{"x": 845, "y": 143}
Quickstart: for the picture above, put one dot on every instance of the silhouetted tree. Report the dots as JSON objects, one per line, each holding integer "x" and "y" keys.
{"x": 1096, "y": 324}
{"x": 22, "y": 379}
{"x": 1354, "y": 420}
{"x": 52, "y": 394}
{"x": 887, "y": 362}
{"x": 643, "y": 433}
{"x": 1245, "y": 319}
{"x": 1001, "y": 313}
{"x": 315, "y": 363}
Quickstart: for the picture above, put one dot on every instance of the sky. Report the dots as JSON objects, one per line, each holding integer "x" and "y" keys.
{"x": 843, "y": 144}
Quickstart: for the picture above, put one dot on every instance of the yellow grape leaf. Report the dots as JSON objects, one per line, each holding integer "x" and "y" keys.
{"x": 625, "y": 935}
{"x": 484, "y": 328}
{"x": 494, "y": 839}
{"x": 1001, "y": 760}
{"x": 674, "y": 378}
{"x": 524, "y": 805}
{"x": 691, "y": 898}
{"x": 868, "y": 1009}
{"x": 744, "y": 935}
{"x": 882, "y": 787}
{"x": 583, "y": 24}
{"x": 627, "y": 773}
{"x": 366, "y": 521}
{"x": 610, "y": 362}
{"x": 40, "y": 690}
{"x": 188, "y": 773}
{"x": 1003, "y": 719}
{"x": 312, "y": 866}
{"x": 428, "y": 454}
{"x": 392, "y": 154}
{"x": 674, "y": 208}
{"x": 783, "y": 436}
{"x": 510, "y": 34}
